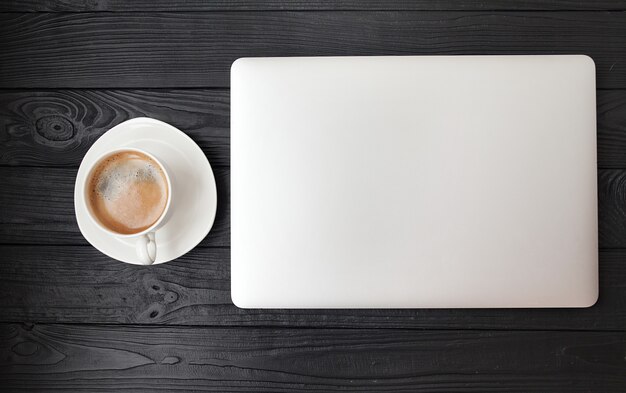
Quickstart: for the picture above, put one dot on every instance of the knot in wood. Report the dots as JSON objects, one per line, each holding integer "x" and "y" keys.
{"x": 55, "y": 128}
{"x": 170, "y": 297}
{"x": 25, "y": 348}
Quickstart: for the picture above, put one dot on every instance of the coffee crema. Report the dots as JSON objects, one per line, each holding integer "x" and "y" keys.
{"x": 127, "y": 192}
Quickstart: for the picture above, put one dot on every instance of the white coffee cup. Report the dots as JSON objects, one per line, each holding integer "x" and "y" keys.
{"x": 145, "y": 240}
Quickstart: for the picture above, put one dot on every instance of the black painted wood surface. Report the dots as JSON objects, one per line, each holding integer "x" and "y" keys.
{"x": 83, "y": 286}
{"x": 305, "y": 5}
{"x": 72, "y": 357}
{"x": 195, "y": 49}
{"x": 57, "y": 127}
{"x": 72, "y": 319}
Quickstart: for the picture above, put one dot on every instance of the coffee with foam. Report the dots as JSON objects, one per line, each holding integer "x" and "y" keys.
{"x": 128, "y": 192}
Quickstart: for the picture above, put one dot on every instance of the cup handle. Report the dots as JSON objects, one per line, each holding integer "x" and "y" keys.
{"x": 146, "y": 249}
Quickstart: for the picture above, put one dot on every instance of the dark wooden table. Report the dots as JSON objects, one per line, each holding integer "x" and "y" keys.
{"x": 72, "y": 319}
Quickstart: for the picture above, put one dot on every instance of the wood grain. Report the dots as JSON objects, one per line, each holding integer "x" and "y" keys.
{"x": 186, "y": 335}
{"x": 57, "y": 127}
{"x": 301, "y": 5}
{"x": 78, "y": 284}
{"x": 37, "y": 207}
{"x": 612, "y": 208}
{"x": 196, "y": 49}
{"x": 126, "y": 358}
{"x": 611, "y": 113}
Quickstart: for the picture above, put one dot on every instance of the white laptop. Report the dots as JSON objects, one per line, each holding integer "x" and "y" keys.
{"x": 422, "y": 182}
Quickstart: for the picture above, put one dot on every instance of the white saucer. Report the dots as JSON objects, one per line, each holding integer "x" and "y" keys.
{"x": 194, "y": 195}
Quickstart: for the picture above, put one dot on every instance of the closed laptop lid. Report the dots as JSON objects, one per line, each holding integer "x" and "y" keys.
{"x": 428, "y": 182}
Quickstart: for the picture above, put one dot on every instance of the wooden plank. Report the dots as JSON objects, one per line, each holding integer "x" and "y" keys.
{"x": 130, "y": 358}
{"x": 44, "y": 127}
{"x": 38, "y": 207}
{"x": 612, "y": 208}
{"x": 78, "y": 284}
{"x": 611, "y": 113}
{"x": 302, "y": 5}
{"x": 57, "y": 127}
{"x": 196, "y": 49}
